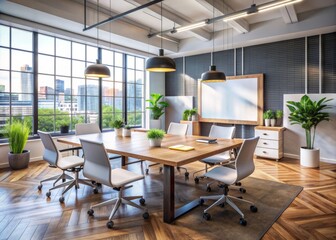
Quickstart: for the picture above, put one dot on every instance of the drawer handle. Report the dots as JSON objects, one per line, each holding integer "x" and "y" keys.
{"x": 265, "y": 143}
{"x": 265, "y": 134}
{"x": 264, "y": 152}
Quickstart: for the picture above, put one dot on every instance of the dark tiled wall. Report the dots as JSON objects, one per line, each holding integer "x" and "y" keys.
{"x": 283, "y": 65}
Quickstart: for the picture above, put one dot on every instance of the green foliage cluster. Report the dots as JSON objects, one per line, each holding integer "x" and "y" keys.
{"x": 269, "y": 114}
{"x": 156, "y": 106}
{"x": 155, "y": 133}
{"x": 117, "y": 123}
{"x": 278, "y": 114}
{"x": 308, "y": 114}
{"x": 17, "y": 134}
{"x": 188, "y": 113}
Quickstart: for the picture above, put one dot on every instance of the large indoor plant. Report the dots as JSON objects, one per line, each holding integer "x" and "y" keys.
{"x": 17, "y": 133}
{"x": 155, "y": 137}
{"x": 308, "y": 114}
{"x": 156, "y": 106}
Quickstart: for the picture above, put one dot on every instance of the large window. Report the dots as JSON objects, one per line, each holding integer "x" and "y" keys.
{"x": 63, "y": 94}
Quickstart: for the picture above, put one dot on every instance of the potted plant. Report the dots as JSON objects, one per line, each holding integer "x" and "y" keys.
{"x": 117, "y": 124}
{"x": 17, "y": 134}
{"x": 193, "y": 114}
{"x": 155, "y": 137}
{"x": 278, "y": 116}
{"x": 308, "y": 114}
{"x": 268, "y": 115}
{"x": 186, "y": 114}
{"x": 156, "y": 106}
{"x": 126, "y": 131}
{"x": 64, "y": 126}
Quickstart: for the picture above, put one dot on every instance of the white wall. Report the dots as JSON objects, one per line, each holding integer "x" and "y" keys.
{"x": 325, "y": 139}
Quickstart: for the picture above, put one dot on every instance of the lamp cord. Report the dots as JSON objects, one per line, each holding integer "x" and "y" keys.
{"x": 213, "y": 32}
{"x": 161, "y": 28}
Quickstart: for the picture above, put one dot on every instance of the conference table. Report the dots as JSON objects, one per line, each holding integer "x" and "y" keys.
{"x": 137, "y": 146}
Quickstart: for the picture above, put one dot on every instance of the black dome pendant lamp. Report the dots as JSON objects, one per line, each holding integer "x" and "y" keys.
{"x": 160, "y": 63}
{"x": 97, "y": 70}
{"x": 213, "y": 75}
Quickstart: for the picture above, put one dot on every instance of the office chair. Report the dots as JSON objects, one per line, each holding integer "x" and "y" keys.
{"x": 244, "y": 167}
{"x": 90, "y": 128}
{"x": 70, "y": 164}
{"x": 226, "y": 132}
{"x": 98, "y": 168}
{"x": 174, "y": 129}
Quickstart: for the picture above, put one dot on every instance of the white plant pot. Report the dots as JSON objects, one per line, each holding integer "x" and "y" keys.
{"x": 118, "y": 132}
{"x": 126, "y": 132}
{"x": 155, "y": 123}
{"x": 194, "y": 118}
{"x": 310, "y": 157}
{"x": 273, "y": 122}
{"x": 267, "y": 122}
{"x": 155, "y": 142}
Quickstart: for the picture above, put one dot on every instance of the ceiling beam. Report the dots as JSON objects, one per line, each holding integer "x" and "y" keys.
{"x": 240, "y": 25}
{"x": 156, "y": 9}
{"x": 289, "y": 14}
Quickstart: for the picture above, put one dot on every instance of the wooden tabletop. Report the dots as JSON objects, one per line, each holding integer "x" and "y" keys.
{"x": 137, "y": 146}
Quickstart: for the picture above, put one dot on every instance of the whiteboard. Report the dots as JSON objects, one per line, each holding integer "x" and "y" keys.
{"x": 237, "y": 100}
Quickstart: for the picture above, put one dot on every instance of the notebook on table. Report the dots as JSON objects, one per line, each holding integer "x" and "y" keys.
{"x": 181, "y": 148}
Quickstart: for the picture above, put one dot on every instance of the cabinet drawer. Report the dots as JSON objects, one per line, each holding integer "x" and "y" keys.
{"x": 265, "y": 143}
{"x": 267, "y": 153}
{"x": 266, "y": 134}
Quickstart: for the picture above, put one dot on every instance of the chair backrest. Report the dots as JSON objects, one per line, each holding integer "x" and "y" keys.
{"x": 96, "y": 162}
{"x": 244, "y": 160}
{"x": 87, "y": 128}
{"x": 222, "y": 131}
{"x": 177, "y": 128}
{"x": 51, "y": 153}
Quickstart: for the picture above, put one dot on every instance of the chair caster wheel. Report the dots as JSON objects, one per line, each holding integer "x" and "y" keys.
{"x": 110, "y": 224}
{"x": 222, "y": 205}
{"x": 208, "y": 189}
{"x": 238, "y": 183}
{"x": 242, "y": 222}
{"x": 196, "y": 180}
{"x": 63, "y": 180}
{"x": 98, "y": 184}
{"x": 206, "y": 216}
{"x": 161, "y": 169}
{"x": 142, "y": 201}
{"x": 147, "y": 171}
{"x": 145, "y": 215}
{"x": 201, "y": 202}
{"x": 253, "y": 208}
{"x": 90, "y": 212}
{"x": 39, "y": 187}
{"x": 93, "y": 182}
{"x": 61, "y": 199}
{"x": 242, "y": 190}
{"x": 186, "y": 174}
{"x": 48, "y": 194}
{"x": 95, "y": 190}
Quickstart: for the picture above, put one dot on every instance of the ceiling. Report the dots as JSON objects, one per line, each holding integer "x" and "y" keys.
{"x": 305, "y": 18}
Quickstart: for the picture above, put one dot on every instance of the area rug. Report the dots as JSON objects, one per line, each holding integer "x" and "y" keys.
{"x": 271, "y": 198}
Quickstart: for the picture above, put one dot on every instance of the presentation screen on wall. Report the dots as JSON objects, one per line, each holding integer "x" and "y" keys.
{"x": 237, "y": 100}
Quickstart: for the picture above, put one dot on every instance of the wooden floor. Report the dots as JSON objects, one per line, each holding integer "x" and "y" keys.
{"x": 312, "y": 215}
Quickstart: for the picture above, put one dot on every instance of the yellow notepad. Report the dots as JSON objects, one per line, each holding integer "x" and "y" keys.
{"x": 181, "y": 148}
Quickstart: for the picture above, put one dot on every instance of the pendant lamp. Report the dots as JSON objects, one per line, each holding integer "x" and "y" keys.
{"x": 160, "y": 63}
{"x": 97, "y": 70}
{"x": 213, "y": 75}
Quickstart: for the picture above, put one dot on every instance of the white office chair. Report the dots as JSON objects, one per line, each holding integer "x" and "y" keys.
{"x": 70, "y": 163}
{"x": 90, "y": 128}
{"x": 226, "y": 132}
{"x": 244, "y": 167}
{"x": 98, "y": 168}
{"x": 175, "y": 129}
